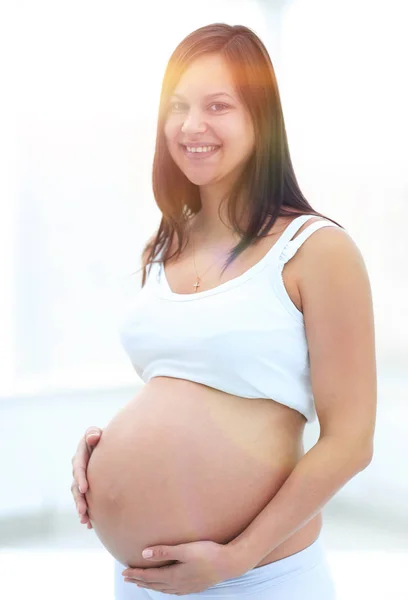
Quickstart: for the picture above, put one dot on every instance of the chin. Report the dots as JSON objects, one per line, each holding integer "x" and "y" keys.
{"x": 197, "y": 180}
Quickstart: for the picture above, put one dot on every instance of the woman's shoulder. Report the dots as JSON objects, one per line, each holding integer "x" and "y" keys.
{"x": 330, "y": 242}
{"x": 316, "y": 219}
{"x": 326, "y": 247}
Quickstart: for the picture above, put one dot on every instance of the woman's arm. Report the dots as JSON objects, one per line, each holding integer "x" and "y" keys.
{"x": 338, "y": 315}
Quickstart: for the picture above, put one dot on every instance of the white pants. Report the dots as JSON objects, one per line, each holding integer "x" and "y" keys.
{"x": 302, "y": 576}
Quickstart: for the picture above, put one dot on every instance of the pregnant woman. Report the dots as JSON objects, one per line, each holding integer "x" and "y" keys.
{"x": 254, "y": 318}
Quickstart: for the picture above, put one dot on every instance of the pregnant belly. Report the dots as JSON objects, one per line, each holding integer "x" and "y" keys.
{"x": 182, "y": 462}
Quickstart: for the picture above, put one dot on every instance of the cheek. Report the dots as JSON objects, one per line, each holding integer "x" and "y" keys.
{"x": 239, "y": 144}
{"x": 173, "y": 149}
{"x": 235, "y": 131}
{"x": 244, "y": 141}
{"x": 171, "y": 130}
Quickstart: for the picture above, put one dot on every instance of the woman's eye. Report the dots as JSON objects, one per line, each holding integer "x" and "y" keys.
{"x": 177, "y": 106}
{"x": 220, "y": 106}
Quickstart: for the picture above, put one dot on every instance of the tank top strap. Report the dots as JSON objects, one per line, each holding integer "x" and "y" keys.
{"x": 289, "y": 247}
{"x": 288, "y": 233}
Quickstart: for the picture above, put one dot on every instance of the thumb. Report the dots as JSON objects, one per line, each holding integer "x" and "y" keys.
{"x": 93, "y": 435}
{"x": 164, "y": 552}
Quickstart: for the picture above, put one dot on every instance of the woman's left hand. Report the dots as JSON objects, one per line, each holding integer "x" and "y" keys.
{"x": 201, "y": 565}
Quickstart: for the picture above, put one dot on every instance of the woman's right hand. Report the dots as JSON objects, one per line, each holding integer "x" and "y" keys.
{"x": 79, "y": 465}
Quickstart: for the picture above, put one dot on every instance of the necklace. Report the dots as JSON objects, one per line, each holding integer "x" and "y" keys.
{"x": 198, "y": 280}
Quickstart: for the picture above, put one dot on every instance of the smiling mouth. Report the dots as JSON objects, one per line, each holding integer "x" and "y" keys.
{"x": 199, "y": 152}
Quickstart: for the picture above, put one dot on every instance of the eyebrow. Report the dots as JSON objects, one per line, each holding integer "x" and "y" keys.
{"x": 208, "y": 96}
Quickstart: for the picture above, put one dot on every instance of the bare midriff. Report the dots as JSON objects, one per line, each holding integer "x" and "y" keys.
{"x": 183, "y": 462}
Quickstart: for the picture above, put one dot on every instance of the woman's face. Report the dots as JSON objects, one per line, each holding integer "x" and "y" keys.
{"x": 208, "y": 130}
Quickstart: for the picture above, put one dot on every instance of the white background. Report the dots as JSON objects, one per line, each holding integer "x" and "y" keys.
{"x": 83, "y": 79}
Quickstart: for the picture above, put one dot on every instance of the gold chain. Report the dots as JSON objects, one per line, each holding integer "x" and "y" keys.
{"x": 198, "y": 280}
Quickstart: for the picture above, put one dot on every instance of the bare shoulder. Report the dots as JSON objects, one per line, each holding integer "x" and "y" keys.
{"x": 317, "y": 235}
{"x": 329, "y": 248}
{"x": 296, "y": 270}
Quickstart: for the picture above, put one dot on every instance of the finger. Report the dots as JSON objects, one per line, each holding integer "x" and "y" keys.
{"x": 92, "y": 436}
{"x": 80, "y": 464}
{"x": 81, "y": 458}
{"x": 157, "y": 587}
{"x": 141, "y": 575}
{"x": 84, "y": 520}
{"x": 143, "y": 581}
{"x": 79, "y": 499}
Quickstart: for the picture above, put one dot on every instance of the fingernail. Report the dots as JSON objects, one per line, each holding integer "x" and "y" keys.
{"x": 80, "y": 491}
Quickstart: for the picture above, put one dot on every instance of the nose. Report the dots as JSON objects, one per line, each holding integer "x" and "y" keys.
{"x": 193, "y": 123}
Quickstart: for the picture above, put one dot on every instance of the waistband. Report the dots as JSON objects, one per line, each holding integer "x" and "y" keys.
{"x": 281, "y": 569}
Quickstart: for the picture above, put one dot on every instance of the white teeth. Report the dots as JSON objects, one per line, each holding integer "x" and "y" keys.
{"x": 201, "y": 148}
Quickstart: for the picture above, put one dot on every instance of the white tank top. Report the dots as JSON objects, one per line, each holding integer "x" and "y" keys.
{"x": 244, "y": 337}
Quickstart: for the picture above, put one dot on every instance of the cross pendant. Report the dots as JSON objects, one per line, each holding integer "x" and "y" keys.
{"x": 197, "y": 283}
